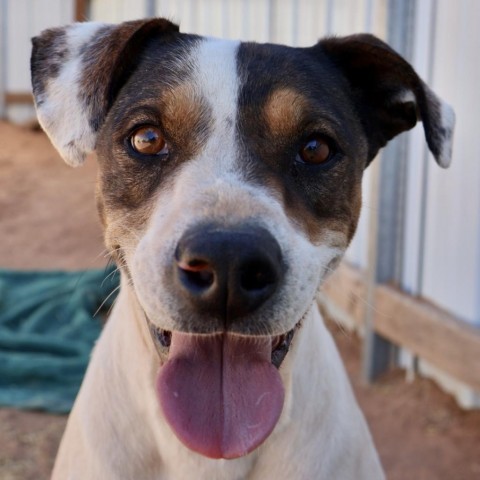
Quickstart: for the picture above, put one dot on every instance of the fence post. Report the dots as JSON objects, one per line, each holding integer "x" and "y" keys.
{"x": 81, "y": 10}
{"x": 3, "y": 58}
{"x": 386, "y": 245}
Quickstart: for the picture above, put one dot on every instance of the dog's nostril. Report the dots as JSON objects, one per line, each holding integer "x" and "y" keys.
{"x": 202, "y": 280}
{"x": 256, "y": 275}
{"x": 197, "y": 274}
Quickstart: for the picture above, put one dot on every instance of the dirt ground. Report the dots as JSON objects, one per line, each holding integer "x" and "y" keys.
{"x": 48, "y": 220}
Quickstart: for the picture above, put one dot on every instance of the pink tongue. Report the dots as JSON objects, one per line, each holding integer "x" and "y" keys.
{"x": 220, "y": 394}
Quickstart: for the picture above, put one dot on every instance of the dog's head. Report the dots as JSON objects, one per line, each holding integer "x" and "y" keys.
{"x": 229, "y": 186}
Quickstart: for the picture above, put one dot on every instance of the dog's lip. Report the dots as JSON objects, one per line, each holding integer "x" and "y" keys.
{"x": 280, "y": 343}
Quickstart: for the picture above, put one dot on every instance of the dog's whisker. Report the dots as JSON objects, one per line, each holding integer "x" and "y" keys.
{"x": 106, "y": 300}
{"x": 109, "y": 311}
{"x": 111, "y": 274}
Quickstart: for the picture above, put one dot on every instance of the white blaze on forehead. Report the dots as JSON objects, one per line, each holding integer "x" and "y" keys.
{"x": 217, "y": 80}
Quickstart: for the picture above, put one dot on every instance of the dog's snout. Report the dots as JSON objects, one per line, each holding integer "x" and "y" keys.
{"x": 227, "y": 273}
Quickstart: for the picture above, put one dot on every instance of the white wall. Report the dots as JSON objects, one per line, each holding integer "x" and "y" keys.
{"x": 30, "y": 18}
{"x": 114, "y": 11}
{"x": 453, "y": 200}
{"x": 445, "y": 266}
{"x": 25, "y": 19}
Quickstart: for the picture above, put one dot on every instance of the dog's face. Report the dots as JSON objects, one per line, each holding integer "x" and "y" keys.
{"x": 232, "y": 145}
{"x": 229, "y": 186}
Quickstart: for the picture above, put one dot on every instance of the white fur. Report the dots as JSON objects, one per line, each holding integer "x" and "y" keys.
{"x": 217, "y": 81}
{"x": 405, "y": 96}
{"x": 448, "y": 123}
{"x": 445, "y": 124}
{"x": 59, "y": 110}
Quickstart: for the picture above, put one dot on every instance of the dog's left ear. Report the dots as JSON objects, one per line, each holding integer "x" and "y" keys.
{"x": 389, "y": 95}
{"x": 77, "y": 72}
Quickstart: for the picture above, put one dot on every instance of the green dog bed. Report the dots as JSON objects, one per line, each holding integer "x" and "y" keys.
{"x": 49, "y": 322}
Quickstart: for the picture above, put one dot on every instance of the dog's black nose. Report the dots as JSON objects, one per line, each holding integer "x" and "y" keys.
{"x": 227, "y": 273}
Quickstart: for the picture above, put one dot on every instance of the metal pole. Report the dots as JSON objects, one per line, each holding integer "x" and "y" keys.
{"x": 386, "y": 235}
{"x": 329, "y": 17}
{"x": 370, "y": 8}
{"x": 371, "y": 346}
{"x": 426, "y": 159}
{"x": 270, "y": 20}
{"x": 150, "y": 8}
{"x": 294, "y": 24}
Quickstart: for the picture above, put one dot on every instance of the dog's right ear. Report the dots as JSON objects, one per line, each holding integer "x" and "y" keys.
{"x": 388, "y": 93}
{"x": 77, "y": 72}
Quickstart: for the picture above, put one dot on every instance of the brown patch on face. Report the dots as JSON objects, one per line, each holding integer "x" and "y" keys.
{"x": 283, "y": 111}
{"x": 129, "y": 180}
{"x": 337, "y": 210}
{"x": 123, "y": 229}
{"x": 317, "y": 202}
{"x": 186, "y": 118}
{"x": 336, "y": 214}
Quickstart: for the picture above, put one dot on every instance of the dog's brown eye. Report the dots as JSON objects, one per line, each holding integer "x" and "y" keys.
{"x": 315, "y": 151}
{"x": 148, "y": 141}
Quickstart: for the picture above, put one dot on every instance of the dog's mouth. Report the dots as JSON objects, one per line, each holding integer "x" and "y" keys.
{"x": 221, "y": 394}
{"x": 162, "y": 340}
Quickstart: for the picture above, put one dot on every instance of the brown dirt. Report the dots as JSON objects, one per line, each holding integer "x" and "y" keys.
{"x": 48, "y": 220}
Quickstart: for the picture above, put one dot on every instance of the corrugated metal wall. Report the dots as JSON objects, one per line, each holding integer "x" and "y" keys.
{"x": 452, "y": 229}
{"x": 442, "y": 234}
{"x": 295, "y": 22}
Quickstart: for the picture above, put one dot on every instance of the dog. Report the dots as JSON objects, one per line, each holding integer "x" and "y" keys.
{"x": 229, "y": 187}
